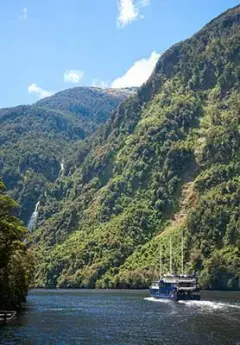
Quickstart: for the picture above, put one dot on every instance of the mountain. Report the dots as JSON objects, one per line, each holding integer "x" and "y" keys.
{"x": 36, "y": 140}
{"x": 90, "y": 103}
{"x": 166, "y": 162}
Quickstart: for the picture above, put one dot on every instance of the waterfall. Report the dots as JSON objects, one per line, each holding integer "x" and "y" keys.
{"x": 61, "y": 169}
{"x": 33, "y": 220}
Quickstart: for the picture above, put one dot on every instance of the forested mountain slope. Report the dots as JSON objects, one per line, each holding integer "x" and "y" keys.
{"x": 90, "y": 103}
{"x": 16, "y": 263}
{"x": 36, "y": 140}
{"x": 167, "y": 161}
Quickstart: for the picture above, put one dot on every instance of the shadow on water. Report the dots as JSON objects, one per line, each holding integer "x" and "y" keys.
{"x": 91, "y": 317}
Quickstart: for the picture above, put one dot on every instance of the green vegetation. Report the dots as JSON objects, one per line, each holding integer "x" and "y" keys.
{"x": 166, "y": 162}
{"x": 16, "y": 263}
{"x": 34, "y": 140}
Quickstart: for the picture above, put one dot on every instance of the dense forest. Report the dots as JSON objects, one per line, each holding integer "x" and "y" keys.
{"x": 36, "y": 140}
{"x": 166, "y": 163}
{"x": 16, "y": 262}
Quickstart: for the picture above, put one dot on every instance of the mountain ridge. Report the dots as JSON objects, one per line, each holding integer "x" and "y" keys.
{"x": 43, "y": 136}
{"x": 166, "y": 162}
{"x": 127, "y": 185}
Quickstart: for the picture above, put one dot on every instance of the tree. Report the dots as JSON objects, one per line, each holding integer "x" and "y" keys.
{"x": 15, "y": 261}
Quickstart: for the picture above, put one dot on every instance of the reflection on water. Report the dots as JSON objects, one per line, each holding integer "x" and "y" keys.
{"x": 84, "y": 317}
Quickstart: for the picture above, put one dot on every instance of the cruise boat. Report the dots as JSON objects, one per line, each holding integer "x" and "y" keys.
{"x": 175, "y": 286}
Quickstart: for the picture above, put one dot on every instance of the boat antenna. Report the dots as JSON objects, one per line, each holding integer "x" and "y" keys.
{"x": 160, "y": 254}
{"x": 170, "y": 248}
{"x": 182, "y": 254}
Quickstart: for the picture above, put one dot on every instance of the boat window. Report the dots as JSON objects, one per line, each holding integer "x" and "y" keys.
{"x": 185, "y": 284}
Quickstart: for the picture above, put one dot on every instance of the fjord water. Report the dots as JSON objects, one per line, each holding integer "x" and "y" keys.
{"x": 93, "y": 317}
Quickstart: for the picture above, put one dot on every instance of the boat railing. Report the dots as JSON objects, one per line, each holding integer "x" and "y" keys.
{"x": 7, "y": 315}
{"x": 187, "y": 288}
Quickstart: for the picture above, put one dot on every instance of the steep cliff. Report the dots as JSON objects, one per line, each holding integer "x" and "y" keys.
{"x": 167, "y": 161}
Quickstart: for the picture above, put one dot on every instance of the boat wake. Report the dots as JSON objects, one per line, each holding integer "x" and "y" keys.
{"x": 153, "y": 299}
{"x": 211, "y": 305}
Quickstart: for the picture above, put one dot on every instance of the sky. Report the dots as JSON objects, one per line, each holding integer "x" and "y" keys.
{"x": 51, "y": 45}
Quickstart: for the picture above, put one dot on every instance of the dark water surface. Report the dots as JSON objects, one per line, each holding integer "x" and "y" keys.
{"x": 91, "y": 317}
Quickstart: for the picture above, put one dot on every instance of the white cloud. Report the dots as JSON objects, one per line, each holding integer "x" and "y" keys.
{"x": 23, "y": 14}
{"x": 99, "y": 83}
{"x": 138, "y": 73}
{"x": 73, "y": 76}
{"x": 38, "y": 91}
{"x": 129, "y": 10}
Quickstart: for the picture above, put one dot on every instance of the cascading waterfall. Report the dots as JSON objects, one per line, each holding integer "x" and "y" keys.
{"x": 61, "y": 169}
{"x": 33, "y": 220}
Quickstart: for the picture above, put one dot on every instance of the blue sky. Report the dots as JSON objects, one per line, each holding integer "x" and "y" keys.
{"x": 51, "y": 45}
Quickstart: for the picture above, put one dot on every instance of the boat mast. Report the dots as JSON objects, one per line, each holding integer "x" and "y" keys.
{"x": 160, "y": 254}
{"x": 170, "y": 255}
{"x": 182, "y": 255}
